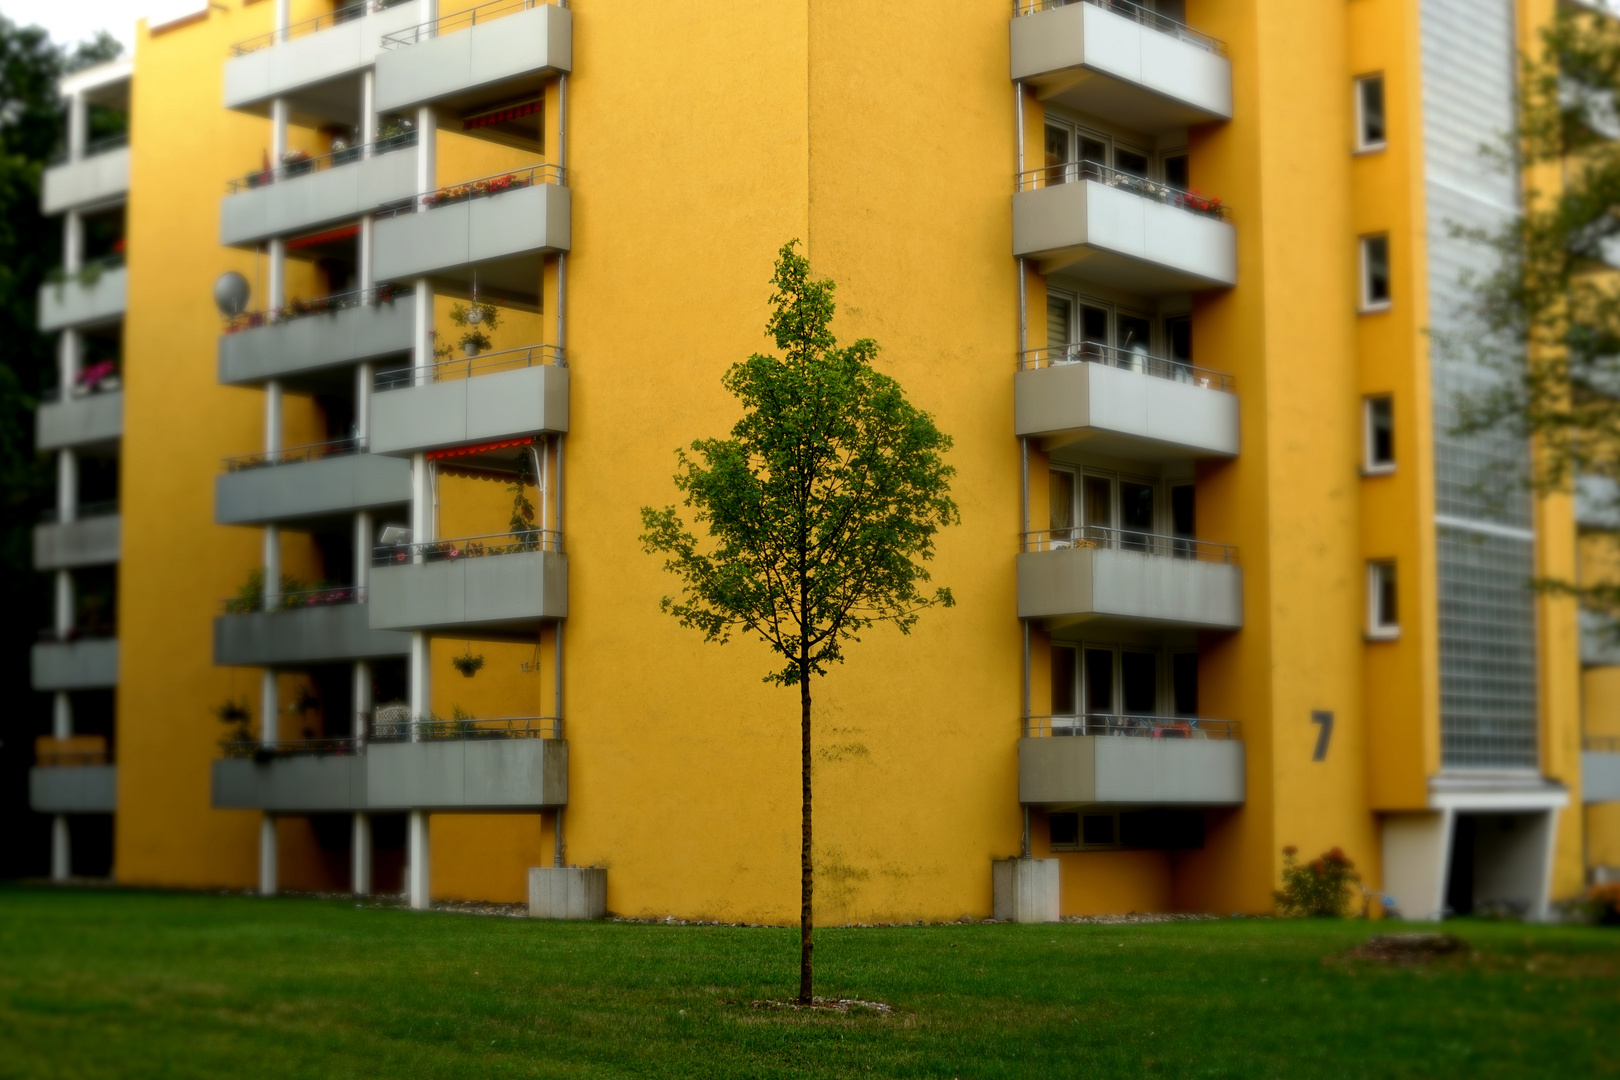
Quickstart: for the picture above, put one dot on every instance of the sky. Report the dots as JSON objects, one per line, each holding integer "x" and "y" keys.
{"x": 72, "y": 21}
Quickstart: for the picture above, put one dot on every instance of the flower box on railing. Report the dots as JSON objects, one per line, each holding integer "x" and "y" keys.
{"x": 320, "y": 305}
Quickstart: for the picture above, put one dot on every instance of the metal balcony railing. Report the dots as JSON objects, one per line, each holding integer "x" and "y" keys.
{"x": 468, "y": 547}
{"x": 311, "y": 26}
{"x": 298, "y": 598}
{"x": 97, "y": 632}
{"x": 1095, "y": 352}
{"x": 295, "y": 454}
{"x": 1131, "y": 725}
{"x": 395, "y": 725}
{"x": 482, "y": 188}
{"x": 460, "y": 20}
{"x": 1073, "y": 172}
{"x": 88, "y": 273}
{"x": 288, "y": 170}
{"x": 321, "y": 305}
{"x": 1146, "y": 543}
{"x": 1136, "y": 13}
{"x": 99, "y": 508}
{"x": 467, "y": 367}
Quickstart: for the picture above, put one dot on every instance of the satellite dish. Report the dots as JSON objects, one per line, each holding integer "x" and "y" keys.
{"x": 231, "y": 292}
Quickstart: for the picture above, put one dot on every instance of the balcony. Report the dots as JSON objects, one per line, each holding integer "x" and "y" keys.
{"x": 83, "y": 420}
{"x": 94, "y": 296}
{"x": 84, "y": 663}
{"x": 1119, "y": 230}
{"x": 307, "y": 339}
{"x": 500, "y": 228}
{"x": 317, "y": 192}
{"x": 506, "y": 585}
{"x": 98, "y": 179}
{"x": 493, "y": 54}
{"x": 453, "y": 765}
{"x": 315, "y": 64}
{"x": 1124, "y": 404}
{"x": 1122, "y": 577}
{"x": 1600, "y": 769}
{"x": 72, "y": 776}
{"x": 90, "y": 540}
{"x": 1120, "y": 61}
{"x": 306, "y": 483}
{"x": 1137, "y": 761}
{"x": 496, "y": 396}
{"x": 309, "y": 627}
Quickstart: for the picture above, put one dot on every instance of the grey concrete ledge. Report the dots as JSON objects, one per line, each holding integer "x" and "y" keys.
{"x": 1600, "y": 776}
{"x": 1084, "y": 584}
{"x": 485, "y": 63}
{"x": 306, "y": 635}
{"x": 71, "y": 304}
{"x": 311, "y": 489}
{"x": 91, "y": 541}
{"x": 313, "y": 343}
{"x": 73, "y": 789}
{"x": 298, "y": 68}
{"x": 506, "y": 235}
{"x": 90, "y": 420}
{"x": 476, "y": 409}
{"x": 300, "y": 203}
{"x": 476, "y": 775}
{"x": 502, "y": 595}
{"x": 1124, "y": 413}
{"x": 99, "y": 179}
{"x": 86, "y": 664}
{"x": 1111, "y": 770}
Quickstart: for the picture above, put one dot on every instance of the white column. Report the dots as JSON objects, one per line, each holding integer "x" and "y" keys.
{"x": 269, "y": 708}
{"x": 360, "y": 847}
{"x": 276, "y": 291}
{"x": 72, "y": 241}
{"x": 61, "y": 849}
{"x": 427, "y": 147}
{"x": 267, "y": 855}
{"x": 368, "y": 109}
{"x": 69, "y": 361}
{"x": 64, "y": 603}
{"x": 272, "y": 533}
{"x": 360, "y": 856}
{"x": 67, "y": 486}
{"x": 416, "y": 870}
{"x": 283, "y": 18}
{"x": 62, "y": 714}
{"x": 78, "y": 126}
{"x": 364, "y": 378}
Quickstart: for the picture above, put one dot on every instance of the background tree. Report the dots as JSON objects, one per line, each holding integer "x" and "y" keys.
{"x": 1547, "y": 317}
{"x": 820, "y": 510}
{"x": 31, "y": 131}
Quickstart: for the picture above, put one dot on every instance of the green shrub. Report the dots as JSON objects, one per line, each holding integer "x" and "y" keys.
{"x": 1323, "y": 888}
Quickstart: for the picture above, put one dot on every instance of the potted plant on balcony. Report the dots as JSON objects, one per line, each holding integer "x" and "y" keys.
{"x": 296, "y": 163}
{"x": 468, "y": 664}
{"x": 238, "y": 738}
{"x": 476, "y": 319}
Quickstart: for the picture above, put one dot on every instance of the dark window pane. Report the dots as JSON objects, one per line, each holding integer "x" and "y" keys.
{"x": 1060, "y": 487}
{"x": 1065, "y": 829}
{"x": 1094, "y": 325}
{"x": 1179, "y": 330}
{"x": 1058, "y": 311}
{"x": 1183, "y": 519}
{"x": 1127, "y": 161}
{"x": 1175, "y": 171}
{"x": 1063, "y": 680}
{"x": 1140, "y": 673}
{"x": 1099, "y": 504}
{"x": 1133, "y": 334}
{"x": 1099, "y": 828}
{"x": 1093, "y": 151}
{"x": 1099, "y": 681}
{"x": 1184, "y": 674}
{"x": 1381, "y": 431}
{"x": 1057, "y": 148}
{"x": 1375, "y": 267}
{"x": 1372, "y": 111}
{"x": 1135, "y": 514}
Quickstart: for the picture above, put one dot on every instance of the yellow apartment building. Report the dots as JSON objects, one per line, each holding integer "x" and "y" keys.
{"x": 1166, "y": 270}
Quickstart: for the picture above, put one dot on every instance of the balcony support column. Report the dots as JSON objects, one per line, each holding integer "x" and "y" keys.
{"x": 268, "y": 882}
{"x": 62, "y": 714}
{"x": 416, "y": 871}
{"x": 67, "y": 486}
{"x": 61, "y": 849}
{"x": 283, "y": 18}
{"x": 360, "y": 856}
{"x": 64, "y": 604}
{"x": 78, "y": 126}
{"x": 69, "y": 360}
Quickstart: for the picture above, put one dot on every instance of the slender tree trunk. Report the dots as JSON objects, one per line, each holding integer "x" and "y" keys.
{"x": 806, "y": 867}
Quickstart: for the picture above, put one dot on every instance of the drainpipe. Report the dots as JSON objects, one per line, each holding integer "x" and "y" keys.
{"x": 1023, "y": 444}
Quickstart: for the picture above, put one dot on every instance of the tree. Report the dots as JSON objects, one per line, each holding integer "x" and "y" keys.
{"x": 820, "y": 510}
{"x": 1546, "y": 318}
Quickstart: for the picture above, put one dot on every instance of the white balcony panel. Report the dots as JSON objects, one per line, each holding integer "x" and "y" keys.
{"x": 91, "y": 541}
{"x": 319, "y": 633}
{"x": 1114, "y": 67}
{"x": 1600, "y": 641}
{"x": 73, "y": 789}
{"x": 1597, "y": 502}
{"x": 297, "y": 348}
{"x": 504, "y": 237}
{"x": 1112, "y": 770}
{"x": 80, "y": 421}
{"x": 86, "y": 664}
{"x": 71, "y": 303}
{"x": 319, "y": 73}
{"x": 1124, "y": 413}
{"x": 1082, "y": 584}
{"x": 471, "y": 67}
{"x": 497, "y": 595}
{"x": 1115, "y": 237}
{"x": 479, "y": 409}
{"x": 1600, "y": 776}
{"x": 328, "y": 197}
{"x": 98, "y": 180}
{"x": 304, "y": 490}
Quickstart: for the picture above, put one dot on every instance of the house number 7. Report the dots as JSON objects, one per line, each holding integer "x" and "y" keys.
{"x": 1325, "y": 736}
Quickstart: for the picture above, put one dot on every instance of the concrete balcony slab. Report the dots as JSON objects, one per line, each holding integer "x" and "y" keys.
{"x": 73, "y": 303}
{"x": 1112, "y": 235}
{"x": 1600, "y": 776}
{"x": 85, "y": 664}
{"x": 98, "y": 180}
{"x": 466, "y": 67}
{"x": 296, "y": 349}
{"x": 73, "y": 789}
{"x": 1125, "y": 413}
{"x": 1123, "y": 587}
{"x": 328, "y": 197}
{"x": 323, "y": 633}
{"x": 91, "y": 541}
{"x": 504, "y": 238}
{"x": 80, "y": 422}
{"x": 1145, "y": 73}
{"x": 505, "y": 595}
{"x": 307, "y": 490}
{"x": 1110, "y": 770}
{"x": 479, "y": 409}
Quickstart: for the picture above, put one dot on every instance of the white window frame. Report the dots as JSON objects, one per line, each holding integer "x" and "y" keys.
{"x": 1368, "y": 304}
{"x": 1376, "y": 629}
{"x": 1363, "y": 146}
{"x": 1369, "y": 466}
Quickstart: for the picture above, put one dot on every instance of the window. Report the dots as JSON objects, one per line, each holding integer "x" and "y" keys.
{"x": 1382, "y": 614}
{"x": 1069, "y": 149}
{"x": 1175, "y": 170}
{"x": 1374, "y": 273}
{"x": 1065, "y": 831}
{"x": 1378, "y": 435}
{"x": 1184, "y": 683}
{"x": 1370, "y": 113}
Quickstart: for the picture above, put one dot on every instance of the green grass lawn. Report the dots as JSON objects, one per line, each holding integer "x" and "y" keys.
{"x": 130, "y": 984}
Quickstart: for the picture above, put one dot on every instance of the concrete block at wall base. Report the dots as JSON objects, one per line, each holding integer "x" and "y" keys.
{"x": 567, "y": 892}
{"x": 1024, "y": 890}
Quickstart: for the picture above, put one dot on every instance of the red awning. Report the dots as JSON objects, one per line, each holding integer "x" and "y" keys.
{"x": 500, "y": 116}
{"x": 467, "y": 451}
